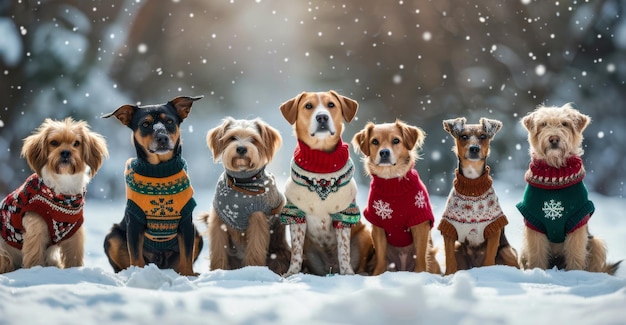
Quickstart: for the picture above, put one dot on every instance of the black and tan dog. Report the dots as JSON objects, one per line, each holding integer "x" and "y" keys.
{"x": 473, "y": 222}
{"x": 157, "y": 226}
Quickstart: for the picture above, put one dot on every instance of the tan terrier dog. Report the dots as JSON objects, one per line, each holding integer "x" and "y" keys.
{"x": 473, "y": 222}
{"x": 244, "y": 226}
{"x": 398, "y": 204}
{"x": 555, "y": 207}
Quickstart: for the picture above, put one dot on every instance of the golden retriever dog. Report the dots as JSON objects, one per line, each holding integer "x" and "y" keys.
{"x": 398, "y": 205}
{"x": 41, "y": 221}
{"x": 244, "y": 225}
{"x": 473, "y": 222}
{"x": 327, "y": 235}
{"x": 556, "y": 207}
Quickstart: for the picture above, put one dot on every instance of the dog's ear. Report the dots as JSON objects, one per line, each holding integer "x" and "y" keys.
{"x": 581, "y": 121}
{"x": 270, "y": 136}
{"x": 215, "y": 138}
{"x": 528, "y": 121}
{"x": 124, "y": 114}
{"x": 491, "y": 127}
{"x": 95, "y": 148}
{"x": 361, "y": 139}
{"x": 35, "y": 149}
{"x": 290, "y": 108}
{"x": 412, "y": 136}
{"x": 182, "y": 104}
{"x": 454, "y": 126}
{"x": 348, "y": 106}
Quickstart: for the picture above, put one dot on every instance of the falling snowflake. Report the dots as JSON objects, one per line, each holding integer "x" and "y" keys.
{"x": 553, "y": 209}
{"x": 420, "y": 200}
{"x": 383, "y": 209}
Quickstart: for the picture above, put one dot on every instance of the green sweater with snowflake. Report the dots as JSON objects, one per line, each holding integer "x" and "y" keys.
{"x": 556, "y": 200}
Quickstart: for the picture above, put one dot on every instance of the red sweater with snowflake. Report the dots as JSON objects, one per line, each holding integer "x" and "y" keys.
{"x": 396, "y": 204}
{"x": 63, "y": 213}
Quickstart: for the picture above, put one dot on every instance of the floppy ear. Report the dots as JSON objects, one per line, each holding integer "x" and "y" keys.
{"x": 124, "y": 114}
{"x": 491, "y": 127}
{"x": 360, "y": 141}
{"x": 215, "y": 138}
{"x": 454, "y": 126}
{"x": 182, "y": 104}
{"x": 270, "y": 136}
{"x": 412, "y": 136}
{"x": 528, "y": 121}
{"x": 290, "y": 108}
{"x": 580, "y": 120}
{"x": 35, "y": 149}
{"x": 348, "y": 106}
{"x": 95, "y": 148}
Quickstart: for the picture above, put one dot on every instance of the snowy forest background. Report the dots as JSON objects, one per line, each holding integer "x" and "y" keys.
{"x": 420, "y": 61}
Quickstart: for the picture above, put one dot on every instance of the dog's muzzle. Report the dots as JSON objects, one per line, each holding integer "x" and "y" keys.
{"x": 474, "y": 152}
{"x": 323, "y": 124}
{"x": 384, "y": 156}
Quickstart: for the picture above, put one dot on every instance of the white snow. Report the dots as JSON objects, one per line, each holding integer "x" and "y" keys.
{"x": 492, "y": 295}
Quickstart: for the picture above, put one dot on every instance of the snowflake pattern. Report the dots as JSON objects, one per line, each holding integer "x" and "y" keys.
{"x": 553, "y": 209}
{"x": 231, "y": 214}
{"x": 420, "y": 200}
{"x": 383, "y": 209}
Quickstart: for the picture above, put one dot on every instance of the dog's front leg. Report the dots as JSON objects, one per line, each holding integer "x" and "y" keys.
{"x": 492, "y": 248}
{"x": 134, "y": 236}
{"x": 36, "y": 238}
{"x": 343, "y": 250}
{"x": 420, "y": 241}
{"x": 186, "y": 238}
{"x": 380, "y": 248}
{"x": 72, "y": 249}
{"x": 258, "y": 240}
{"x": 297, "y": 231}
{"x": 576, "y": 249}
{"x": 536, "y": 250}
{"x": 448, "y": 243}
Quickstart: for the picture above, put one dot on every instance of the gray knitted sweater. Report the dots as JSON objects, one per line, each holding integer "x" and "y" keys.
{"x": 239, "y": 194}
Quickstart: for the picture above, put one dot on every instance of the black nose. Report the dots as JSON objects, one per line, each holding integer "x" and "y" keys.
{"x": 162, "y": 139}
{"x": 474, "y": 149}
{"x": 385, "y": 153}
{"x": 241, "y": 150}
{"x": 65, "y": 154}
{"x": 321, "y": 118}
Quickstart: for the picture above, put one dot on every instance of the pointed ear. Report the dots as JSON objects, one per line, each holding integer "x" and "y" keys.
{"x": 182, "y": 104}
{"x": 491, "y": 127}
{"x": 215, "y": 138}
{"x": 454, "y": 126}
{"x": 95, "y": 149}
{"x": 412, "y": 136}
{"x": 361, "y": 140}
{"x": 270, "y": 136}
{"x": 124, "y": 114}
{"x": 348, "y": 106}
{"x": 528, "y": 121}
{"x": 290, "y": 108}
{"x": 35, "y": 149}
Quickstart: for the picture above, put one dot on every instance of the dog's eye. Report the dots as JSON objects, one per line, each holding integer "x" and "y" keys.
{"x": 308, "y": 106}
{"x": 145, "y": 124}
{"x": 464, "y": 137}
{"x": 565, "y": 124}
{"x": 169, "y": 121}
{"x": 375, "y": 142}
{"x": 544, "y": 123}
{"x": 76, "y": 143}
{"x": 483, "y": 136}
{"x": 395, "y": 141}
{"x": 54, "y": 143}
{"x": 331, "y": 104}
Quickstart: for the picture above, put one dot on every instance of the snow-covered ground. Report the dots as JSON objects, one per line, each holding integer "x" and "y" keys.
{"x": 492, "y": 295}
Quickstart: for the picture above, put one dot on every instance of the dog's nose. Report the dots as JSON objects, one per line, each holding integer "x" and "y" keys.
{"x": 241, "y": 150}
{"x": 474, "y": 149}
{"x": 162, "y": 139}
{"x": 321, "y": 118}
{"x": 66, "y": 154}
{"x": 384, "y": 154}
{"x": 554, "y": 140}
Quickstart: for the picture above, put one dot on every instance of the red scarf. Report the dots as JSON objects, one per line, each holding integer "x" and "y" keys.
{"x": 540, "y": 174}
{"x": 317, "y": 161}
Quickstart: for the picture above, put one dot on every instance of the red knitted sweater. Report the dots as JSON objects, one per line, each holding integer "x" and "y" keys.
{"x": 396, "y": 204}
{"x": 63, "y": 213}
{"x": 318, "y": 161}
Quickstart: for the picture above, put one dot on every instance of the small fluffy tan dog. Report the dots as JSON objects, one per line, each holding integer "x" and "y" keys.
{"x": 244, "y": 227}
{"x": 43, "y": 217}
{"x": 398, "y": 205}
{"x": 327, "y": 235}
{"x": 473, "y": 222}
{"x": 555, "y": 207}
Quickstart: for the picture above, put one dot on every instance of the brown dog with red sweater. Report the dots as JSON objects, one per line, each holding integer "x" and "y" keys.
{"x": 398, "y": 204}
